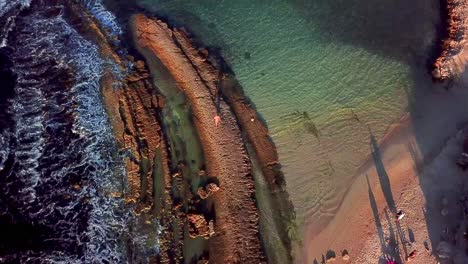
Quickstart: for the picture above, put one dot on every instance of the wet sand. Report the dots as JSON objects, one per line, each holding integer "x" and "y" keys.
{"x": 402, "y": 173}
{"x": 354, "y": 223}
{"x": 411, "y": 169}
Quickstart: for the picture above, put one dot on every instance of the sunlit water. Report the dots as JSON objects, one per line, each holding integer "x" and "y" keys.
{"x": 320, "y": 73}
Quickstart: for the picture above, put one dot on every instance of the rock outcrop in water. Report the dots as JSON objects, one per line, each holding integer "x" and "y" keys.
{"x": 454, "y": 55}
{"x": 236, "y": 224}
{"x": 212, "y": 89}
{"x": 134, "y": 108}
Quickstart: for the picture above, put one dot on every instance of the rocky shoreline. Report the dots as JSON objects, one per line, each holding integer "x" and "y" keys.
{"x": 134, "y": 110}
{"x": 453, "y": 57}
{"x": 224, "y": 211}
{"x": 236, "y": 216}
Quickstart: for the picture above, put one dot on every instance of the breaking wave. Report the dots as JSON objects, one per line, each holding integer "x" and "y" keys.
{"x": 105, "y": 17}
{"x": 61, "y": 176}
{"x": 7, "y": 5}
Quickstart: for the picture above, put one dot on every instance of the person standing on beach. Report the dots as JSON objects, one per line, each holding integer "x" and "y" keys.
{"x": 399, "y": 215}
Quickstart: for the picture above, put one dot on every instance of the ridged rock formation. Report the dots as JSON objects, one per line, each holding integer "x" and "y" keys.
{"x": 134, "y": 110}
{"x": 454, "y": 55}
{"x": 236, "y": 225}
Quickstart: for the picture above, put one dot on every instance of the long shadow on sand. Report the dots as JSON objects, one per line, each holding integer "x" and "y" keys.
{"x": 390, "y": 250}
{"x": 382, "y": 173}
{"x": 410, "y": 32}
{"x": 404, "y": 31}
{"x": 385, "y": 185}
{"x": 375, "y": 212}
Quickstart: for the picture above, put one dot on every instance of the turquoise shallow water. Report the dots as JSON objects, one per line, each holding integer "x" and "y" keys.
{"x": 336, "y": 67}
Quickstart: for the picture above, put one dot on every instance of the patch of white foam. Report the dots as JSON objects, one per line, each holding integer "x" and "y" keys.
{"x": 106, "y": 222}
{"x": 4, "y": 149}
{"x": 104, "y": 16}
{"x": 27, "y": 111}
{"x": 10, "y": 23}
{"x": 7, "y": 5}
{"x": 108, "y": 219}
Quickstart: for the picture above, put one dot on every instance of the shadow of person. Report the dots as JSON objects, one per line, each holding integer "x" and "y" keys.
{"x": 411, "y": 235}
{"x": 375, "y": 212}
{"x": 384, "y": 180}
{"x": 401, "y": 235}
{"x": 390, "y": 250}
{"x": 382, "y": 173}
{"x": 393, "y": 249}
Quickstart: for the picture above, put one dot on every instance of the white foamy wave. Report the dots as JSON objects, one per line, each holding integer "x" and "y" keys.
{"x": 4, "y": 149}
{"x": 27, "y": 111}
{"x": 7, "y": 5}
{"x": 82, "y": 214}
{"x": 104, "y": 16}
{"x": 37, "y": 106}
{"x": 6, "y": 29}
{"x": 106, "y": 222}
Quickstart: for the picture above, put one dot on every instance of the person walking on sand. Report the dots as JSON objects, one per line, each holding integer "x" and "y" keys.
{"x": 217, "y": 120}
{"x": 399, "y": 215}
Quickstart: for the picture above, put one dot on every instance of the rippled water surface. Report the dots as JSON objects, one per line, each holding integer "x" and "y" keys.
{"x": 321, "y": 73}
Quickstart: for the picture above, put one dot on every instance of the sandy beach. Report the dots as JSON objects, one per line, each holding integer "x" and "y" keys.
{"x": 411, "y": 169}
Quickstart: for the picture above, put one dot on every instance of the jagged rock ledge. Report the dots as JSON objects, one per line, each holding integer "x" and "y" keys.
{"x": 454, "y": 49}
{"x": 133, "y": 109}
{"x": 236, "y": 224}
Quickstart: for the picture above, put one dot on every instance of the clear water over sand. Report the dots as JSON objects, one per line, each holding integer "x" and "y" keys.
{"x": 319, "y": 72}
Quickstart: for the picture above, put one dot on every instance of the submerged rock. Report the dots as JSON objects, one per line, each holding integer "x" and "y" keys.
{"x": 444, "y": 212}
